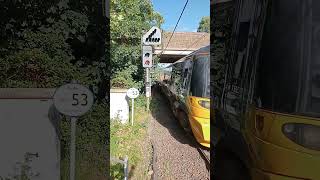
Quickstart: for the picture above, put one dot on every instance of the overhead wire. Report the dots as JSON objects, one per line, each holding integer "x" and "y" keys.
{"x": 185, "y": 5}
{"x": 177, "y": 23}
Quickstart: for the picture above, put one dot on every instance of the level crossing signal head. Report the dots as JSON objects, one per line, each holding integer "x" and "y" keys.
{"x": 147, "y": 56}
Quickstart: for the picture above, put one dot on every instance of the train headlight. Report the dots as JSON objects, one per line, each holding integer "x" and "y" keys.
{"x": 303, "y": 134}
{"x": 205, "y": 104}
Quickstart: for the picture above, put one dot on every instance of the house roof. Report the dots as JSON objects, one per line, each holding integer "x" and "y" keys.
{"x": 185, "y": 40}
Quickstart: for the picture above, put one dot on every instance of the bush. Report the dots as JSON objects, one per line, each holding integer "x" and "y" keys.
{"x": 124, "y": 79}
{"x": 92, "y": 142}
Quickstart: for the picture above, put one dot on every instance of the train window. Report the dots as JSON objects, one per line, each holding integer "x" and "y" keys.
{"x": 278, "y": 70}
{"x": 176, "y": 78}
{"x": 243, "y": 35}
{"x": 186, "y": 76}
{"x": 314, "y": 102}
{"x": 286, "y": 8}
{"x": 200, "y": 80}
{"x": 313, "y": 98}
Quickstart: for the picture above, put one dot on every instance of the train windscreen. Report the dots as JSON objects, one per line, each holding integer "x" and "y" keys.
{"x": 289, "y": 67}
{"x": 200, "y": 80}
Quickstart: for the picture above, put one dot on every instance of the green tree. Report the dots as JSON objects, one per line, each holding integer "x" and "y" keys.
{"x": 204, "y": 25}
{"x": 129, "y": 18}
{"x": 70, "y": 34}
{"x": 44, "y": 44}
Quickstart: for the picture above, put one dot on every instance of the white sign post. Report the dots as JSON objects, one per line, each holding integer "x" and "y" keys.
{"x": 73, "y": 100}
{"x": 132, "y": 93}
{"x": 147, "y": 56}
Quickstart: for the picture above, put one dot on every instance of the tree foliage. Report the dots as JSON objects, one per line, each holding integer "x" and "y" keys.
{"x": 204, "y": 25}
{"x": 129, "y": 18}
{"x": 44, "y": 44}
{"x": 59, "y": 35}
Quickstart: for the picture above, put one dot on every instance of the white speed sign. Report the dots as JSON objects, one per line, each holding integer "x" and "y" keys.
{"x": 73, "y": 99}
{"x": 133, "y": 93}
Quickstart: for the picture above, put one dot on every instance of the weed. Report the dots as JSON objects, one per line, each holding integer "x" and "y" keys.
{"x": 128, "y": 140}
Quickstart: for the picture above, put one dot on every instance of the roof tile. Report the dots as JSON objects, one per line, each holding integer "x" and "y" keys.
{"x": 185, "y": 40}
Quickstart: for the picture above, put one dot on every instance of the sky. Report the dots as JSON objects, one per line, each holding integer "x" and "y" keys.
{"x": 171, "y": 9}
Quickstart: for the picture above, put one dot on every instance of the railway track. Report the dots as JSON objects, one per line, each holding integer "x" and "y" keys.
{"x": 204, "y": 152}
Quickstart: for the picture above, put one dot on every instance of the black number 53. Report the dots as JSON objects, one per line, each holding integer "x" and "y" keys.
{"x": 75, "y": 98}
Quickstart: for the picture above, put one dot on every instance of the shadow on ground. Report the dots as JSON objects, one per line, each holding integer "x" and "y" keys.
{"x": 161, "y": 112}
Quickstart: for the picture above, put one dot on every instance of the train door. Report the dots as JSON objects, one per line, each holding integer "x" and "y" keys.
{"x": 181, "y": 108}
{"x": 238, "y": 87}
{"x": 175, "y": 86}
{"x": 176, "y": 78}
{"x": 237, "y": 71}
{"x": 183, "y": 85}
{"x": 222, "y": 25}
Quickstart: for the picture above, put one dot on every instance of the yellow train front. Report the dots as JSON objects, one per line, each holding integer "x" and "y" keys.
{"x": 188, "y": 91}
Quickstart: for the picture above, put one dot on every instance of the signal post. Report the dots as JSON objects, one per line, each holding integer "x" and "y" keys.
{"x": 149, "y": 39}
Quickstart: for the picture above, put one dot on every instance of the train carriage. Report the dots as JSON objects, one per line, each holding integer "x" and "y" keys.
{"x": 269, "y": 110}
{"x": 188, "y": 91}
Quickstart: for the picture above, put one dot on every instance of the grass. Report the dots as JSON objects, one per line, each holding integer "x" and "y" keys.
{"x": 88, "y": 166}
{"x": 131, "y": 141}
{"x": 91, "y": 146}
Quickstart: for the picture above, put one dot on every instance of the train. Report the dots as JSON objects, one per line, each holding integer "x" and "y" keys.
{"x": 267, "y": 108}
{"x": 186, "y": 85}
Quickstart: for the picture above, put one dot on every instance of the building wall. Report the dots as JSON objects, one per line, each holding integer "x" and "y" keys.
{"x": 119, "y": 105}
{"x": 31, "y": 125}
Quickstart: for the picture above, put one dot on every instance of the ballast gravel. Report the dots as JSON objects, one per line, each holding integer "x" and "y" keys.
{"x": 176, "y": 156}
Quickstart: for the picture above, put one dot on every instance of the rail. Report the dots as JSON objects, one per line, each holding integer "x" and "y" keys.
{"x": 204, "y": 153}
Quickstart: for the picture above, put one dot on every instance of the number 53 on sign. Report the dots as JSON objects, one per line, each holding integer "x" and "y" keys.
{"x": 73, "y": 99}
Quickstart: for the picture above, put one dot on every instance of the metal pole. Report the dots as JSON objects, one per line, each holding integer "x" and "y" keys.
{"x": 132, "y": 111}
{"x": 126, "y": 168}
{"x": 147, "y": 83}
{"x": 73, "y": 147}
